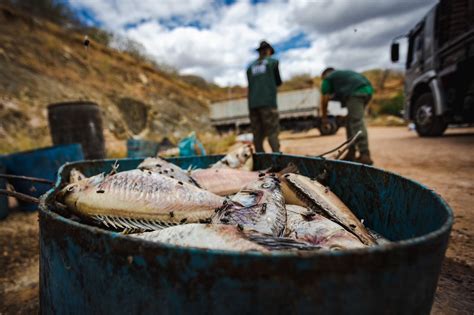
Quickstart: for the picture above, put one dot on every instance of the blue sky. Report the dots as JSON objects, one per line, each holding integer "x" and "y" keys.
{"x": 216, "y": 39}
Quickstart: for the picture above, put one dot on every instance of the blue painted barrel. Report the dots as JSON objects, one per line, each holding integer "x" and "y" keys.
{"x": 3, "y": 198}
{"x": 41, "y": 163}
{"x": 141, "y": 148}
{"x": 88, "y": 270}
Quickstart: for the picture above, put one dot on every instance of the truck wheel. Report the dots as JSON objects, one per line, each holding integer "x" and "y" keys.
{"x": 329, "y": 129}
{"x": 426, "y": 122}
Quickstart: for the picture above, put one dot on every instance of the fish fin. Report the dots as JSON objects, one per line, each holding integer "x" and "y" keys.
{"x": 279, "y": 243}
{"x": 128, "y": 231}
{"x": 114, "y": 169}
{"x": 119, "y": 223}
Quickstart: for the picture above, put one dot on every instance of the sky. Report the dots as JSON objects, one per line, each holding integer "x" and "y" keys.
{"x": 217, "y": 39}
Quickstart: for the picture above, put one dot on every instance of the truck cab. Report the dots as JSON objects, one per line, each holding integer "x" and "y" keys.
{"x": 439, "y": 72}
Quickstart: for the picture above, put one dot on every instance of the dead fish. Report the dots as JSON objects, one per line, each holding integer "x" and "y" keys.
{"x": 221, "y": 237}
{"x": 259, "y": 206}
{"x": 139, "y": 200}
{"x": 76, "y": 176}
{"x": 304, "y": 225}
{"x": 241, "y": 158}
{"x": 303, "y": 191}
{"x": 223, "y": 181}
{"x": 163, "y": 167}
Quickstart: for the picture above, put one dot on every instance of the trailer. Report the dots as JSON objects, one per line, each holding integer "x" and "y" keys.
{"x": 299, "y": 110}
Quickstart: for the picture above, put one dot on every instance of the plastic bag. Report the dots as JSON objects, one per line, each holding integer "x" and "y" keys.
{"x": 190, "y": 146}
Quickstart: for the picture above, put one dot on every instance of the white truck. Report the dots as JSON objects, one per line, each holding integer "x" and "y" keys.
{"x": 299, "y": 110}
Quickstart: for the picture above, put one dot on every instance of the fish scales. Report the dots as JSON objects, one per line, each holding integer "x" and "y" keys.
{"x": 223, "y": 181}
{"x": 222, "y": 237}
{"x": 134, "y": 194}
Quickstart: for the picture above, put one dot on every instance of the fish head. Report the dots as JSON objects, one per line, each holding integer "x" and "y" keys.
{"x": 71, "y": 192}
{"x": 76, "y": 176}
{"x": 245, "y": 156}
{"x": 266, "y": 185}
{"x": 241, "y": 158}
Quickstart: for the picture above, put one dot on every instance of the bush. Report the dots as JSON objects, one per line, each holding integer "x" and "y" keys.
{"x": 392, "y": 106}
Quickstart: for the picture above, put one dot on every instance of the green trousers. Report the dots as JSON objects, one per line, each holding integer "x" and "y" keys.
{"x": 265, "y": 122}
{"x": 355, "y": 121}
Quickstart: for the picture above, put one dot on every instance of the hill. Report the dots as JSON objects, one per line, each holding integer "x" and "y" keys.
{"x": 44, "y": 63}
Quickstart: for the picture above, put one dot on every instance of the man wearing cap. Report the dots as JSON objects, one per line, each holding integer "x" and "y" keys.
{"x": 354, "y": 91}
{"x": 263, "y": 77}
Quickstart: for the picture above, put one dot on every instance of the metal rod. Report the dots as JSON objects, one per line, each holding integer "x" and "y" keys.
{"x": 341, "y": 152}
{"x": 31, "y": 179}
{"x": 19, "y": 196}
{"x": 348, "y": 142}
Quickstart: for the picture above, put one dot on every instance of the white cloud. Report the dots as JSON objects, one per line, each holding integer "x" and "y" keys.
{"x": 342, "y": 33}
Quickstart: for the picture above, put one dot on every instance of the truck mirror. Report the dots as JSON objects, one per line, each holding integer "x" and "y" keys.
{"x": 395, "y": 53}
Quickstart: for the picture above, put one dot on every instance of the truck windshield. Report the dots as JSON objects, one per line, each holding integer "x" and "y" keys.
{"x": 415, "y": 49}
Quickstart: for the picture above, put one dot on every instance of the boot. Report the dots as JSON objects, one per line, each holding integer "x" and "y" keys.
{"x": 364, "y": 158}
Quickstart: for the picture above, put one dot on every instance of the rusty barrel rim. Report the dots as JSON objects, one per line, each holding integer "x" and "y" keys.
{"x": 73, "y": 103}
{"x": 394, "y": 245}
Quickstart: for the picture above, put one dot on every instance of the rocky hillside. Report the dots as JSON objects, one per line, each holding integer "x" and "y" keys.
{"x": 43, "y": 63}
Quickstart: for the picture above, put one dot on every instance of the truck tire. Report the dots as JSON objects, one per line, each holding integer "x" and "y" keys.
{"x": 329, "y": 128}
{"x": 426, "y": 122}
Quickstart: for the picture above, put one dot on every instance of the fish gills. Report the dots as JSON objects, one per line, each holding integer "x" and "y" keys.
{"x": 259, "y": 206}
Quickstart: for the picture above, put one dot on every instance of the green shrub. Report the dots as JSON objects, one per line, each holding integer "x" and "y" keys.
{"x": 392, "y": 106}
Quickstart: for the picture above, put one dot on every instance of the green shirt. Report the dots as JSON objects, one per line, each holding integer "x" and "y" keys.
{"x": 263, "y": 77}
{"x": 345, "y": 83}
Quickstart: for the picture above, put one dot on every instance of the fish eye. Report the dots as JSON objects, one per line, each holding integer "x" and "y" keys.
{"x": 267, "y": 185}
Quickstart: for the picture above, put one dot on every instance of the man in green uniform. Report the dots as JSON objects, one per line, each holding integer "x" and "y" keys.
{"x": 354, "y": 91}
{"x": 263, "y": 77}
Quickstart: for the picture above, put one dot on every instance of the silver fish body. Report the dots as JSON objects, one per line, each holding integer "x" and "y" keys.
{"x": 140, "y": 199}
{"x": 223, "y": 181}
{"x": 221, "y": 237}
{"x": 259, "y": 206}
{"x": 241, "y": 158}
{"x": 165, "y": 168}
{"x": 303, "y": 191}
{"x": 304, "y": 225}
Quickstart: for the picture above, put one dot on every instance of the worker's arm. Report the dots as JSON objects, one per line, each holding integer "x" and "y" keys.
{"x": 324, "y": 105}
{"x": 277, "y": 75}
{"x": 326, "y": 90}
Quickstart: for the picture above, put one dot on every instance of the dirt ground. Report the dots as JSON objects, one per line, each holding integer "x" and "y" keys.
{"x": 445, "y": 164}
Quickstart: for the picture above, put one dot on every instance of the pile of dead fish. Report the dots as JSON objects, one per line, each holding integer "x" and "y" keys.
{"x": 227, "y": 207}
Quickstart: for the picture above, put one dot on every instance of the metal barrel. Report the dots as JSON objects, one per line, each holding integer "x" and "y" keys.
{"x": 141, "y": 148}
{"x": 78, "y": 122}
{"x": 3, "y": 198}
{"x": 88, "y": 270}
{"x": 41, "y": 163}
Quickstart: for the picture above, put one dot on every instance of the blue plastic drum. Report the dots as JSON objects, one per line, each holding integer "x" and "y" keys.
{"x": 41, "y": 163}
{"x": 89, "y": 270}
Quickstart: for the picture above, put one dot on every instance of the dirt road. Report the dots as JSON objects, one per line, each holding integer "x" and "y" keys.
{"x": 445, "y": 164}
